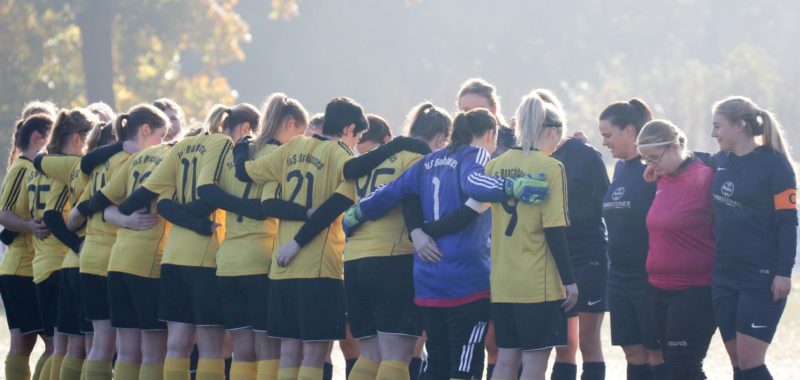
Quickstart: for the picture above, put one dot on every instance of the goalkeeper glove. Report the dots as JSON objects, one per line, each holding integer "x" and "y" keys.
{"x": 529, "y": 189}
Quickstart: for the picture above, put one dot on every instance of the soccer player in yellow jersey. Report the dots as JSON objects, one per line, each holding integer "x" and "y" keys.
{"x": 68, "y": 137}
{"x": 251, "y": 225}
{"x": 188, "y": 296}
{"x": 378, "y": 261}
{"x": 531, "y": 274}
{"x": 16, "y": 272}
{"x": 101, "y": 235}
{"x": 306, "y": 300}
{"x": 133, "y": 267}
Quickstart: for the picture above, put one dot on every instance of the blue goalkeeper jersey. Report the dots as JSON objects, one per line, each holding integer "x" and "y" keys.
{"x": 445, "y": 180}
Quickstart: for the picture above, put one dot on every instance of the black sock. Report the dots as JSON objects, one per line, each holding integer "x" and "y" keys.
{"x": 640, "y": 372}
{"x": 327, "y": 371}
{"x": 660, "y": 372}
{"x": 758, "y": 373}
{"x": 489, "y": 371}
{"x": 594, "y": 371}
{"x": 348, "y": 365}
{"x": 737, "y": 373}
{"x": 564, "y": 371}
{"x": 228, "y": 362}
{"x": 414, "y": 368}
{"x": 193, "y": 359}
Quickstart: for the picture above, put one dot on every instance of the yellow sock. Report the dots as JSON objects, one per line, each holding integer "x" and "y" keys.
{"x": 364, "y": 369}
{"x": 310, "y": 373}
{"x": 243, "y": 370}
{"x": 176, "y": 369}
{"x": 98, "y": 370}
{"x": 151, "y": 372}
{"x": 210, "y": 369}
{"x": 83, "y": 370}
{"x": 71, "y": 369}
{"x": 55, "y": 367}
{"x": 392, "y": 370}
{"x": 267, "y": 369}
{"x": 126, "y": 371}
{"x": 44, "y": 371}
{"x": 17, "y": 367}
{"x": 288, "y": 373}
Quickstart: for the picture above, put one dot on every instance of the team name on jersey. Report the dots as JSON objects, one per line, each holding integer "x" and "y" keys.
{"x": 512, "y": 172}
{"x": 444, "y": 161}
{"x": 146, "y": 159}
{"x": 307, "y": 158}
{"x": 196, "y": 148}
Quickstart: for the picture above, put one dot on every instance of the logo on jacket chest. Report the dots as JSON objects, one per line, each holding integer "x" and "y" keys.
{"x": 727, "y": 189}
{"x": 618, "y": 193}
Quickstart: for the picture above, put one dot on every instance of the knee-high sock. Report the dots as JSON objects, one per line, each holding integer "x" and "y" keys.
{"x": 392, "y": 370}
{"x": 267, "y": 369}
{"x": 17, "y": 367}
{"x": 176, "y": 369}
{"x": 71, "y": 369}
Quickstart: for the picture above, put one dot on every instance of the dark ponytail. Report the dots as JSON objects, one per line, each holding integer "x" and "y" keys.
{"x": 23, "y": 131}
{"x": 126, "y": 125}
{"x": 634, "y": 112}
{"x": 425, "y": 121}
{"x": 469, "y": 125}
{"x": 377, "y": 131}
{"x": 77, "y": 120}
{"x": 222, "y": 118}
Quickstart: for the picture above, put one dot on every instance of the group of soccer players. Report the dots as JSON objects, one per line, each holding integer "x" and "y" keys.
{"x": 132, "y": 242}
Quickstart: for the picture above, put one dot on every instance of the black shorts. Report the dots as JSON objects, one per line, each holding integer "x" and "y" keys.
{"x": 94, "y": 297}
{"x": 244, "y": 301}
{"x": 683, "y": 321}
{"x": 47, "y": 297}
{"x": 134, "y": 302}
{"x": 189, "y": 295}
{"x": 592, "y": 281}
{"x": 20, "y": 301}
{"x": 308, "y": 309}
{"x": 751, "y": 312}
{"x": 380, "y": 296}
{"x": 513, "y": 327}
{"x": 455, "y": 342}
{"x": 71, "y": 319}
{"x": 629, "y": 308}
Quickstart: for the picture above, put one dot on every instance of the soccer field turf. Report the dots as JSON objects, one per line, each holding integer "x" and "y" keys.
{"x": 781, "y": 358}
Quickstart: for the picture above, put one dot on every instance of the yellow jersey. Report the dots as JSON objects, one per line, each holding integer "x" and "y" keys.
{"x": 19, "y": 256}
{"x": 137, "y": 252}
{"x": 67, "y": 170}
{"x": 46, "y": 194}
{"x": 523, "y": 268}
{"x": 247, "y": 248}
{"x": 191, "y": 163}
{"x": 309, "y": 171}
{"x": 100, "y": 235}
{"x": 386, "y": 236}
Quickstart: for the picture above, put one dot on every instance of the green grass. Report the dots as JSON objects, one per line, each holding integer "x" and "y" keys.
{"x": 782, "y": 357}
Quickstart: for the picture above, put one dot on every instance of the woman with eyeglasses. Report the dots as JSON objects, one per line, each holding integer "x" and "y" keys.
{"x": 625, "y": 208}
{"x": 681, "y": 249}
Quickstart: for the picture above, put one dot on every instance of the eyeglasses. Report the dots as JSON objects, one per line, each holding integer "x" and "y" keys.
{"x": 654, "y": 160}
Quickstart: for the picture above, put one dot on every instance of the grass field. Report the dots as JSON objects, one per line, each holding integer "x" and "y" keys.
{"x": 782, "y": 357}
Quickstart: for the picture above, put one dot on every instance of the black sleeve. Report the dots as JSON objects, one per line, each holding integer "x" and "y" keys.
{"x": 360, "y": 166}
{"x": 412, "y": 212}
{"x": 138, "y": 199}
{"x": 55, "y": 223}
{"x": 98, "y": 156}
{"x": 557, "y": 242}
{"x": 787, "y": 241}
{"x": 453, "y": 222}
{"x": 37, "y": 162}
{"x": 217, "y": 198}
{"x": 322, "y": 218}
{"x": 241, "y": 153}
{"x": 7, "y": 236}
{"x": 97, "y": 203}
{"x": 176, "y": 215}
{"x": 284, "y": 210}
